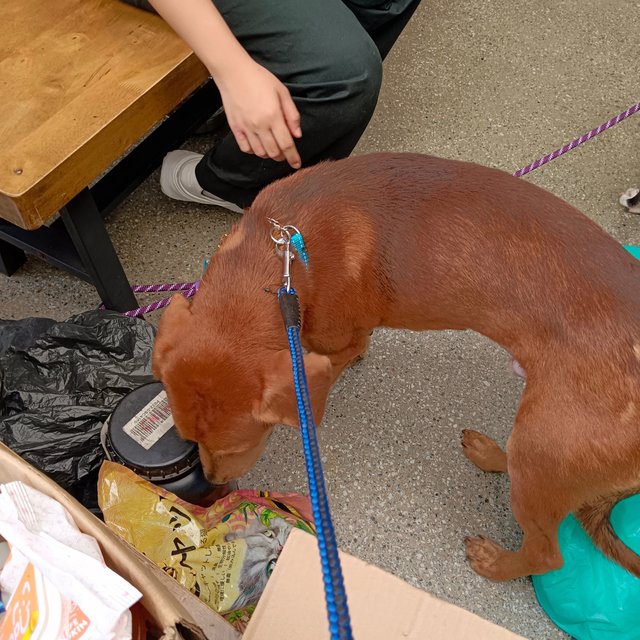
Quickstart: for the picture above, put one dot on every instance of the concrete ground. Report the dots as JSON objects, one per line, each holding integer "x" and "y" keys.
{"x": 500, "y": 83}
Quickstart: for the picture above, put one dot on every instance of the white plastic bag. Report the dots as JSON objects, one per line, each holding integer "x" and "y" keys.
{"x": 42, "y": 533}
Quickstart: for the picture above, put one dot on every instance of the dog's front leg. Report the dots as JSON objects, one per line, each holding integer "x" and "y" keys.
{"x": 484, "y": 452}
{"x": 349, "y": 356}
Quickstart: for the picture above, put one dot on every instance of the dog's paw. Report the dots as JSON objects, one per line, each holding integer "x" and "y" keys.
{"x": 484, "y": 556}
{"x": 483, "y": 451}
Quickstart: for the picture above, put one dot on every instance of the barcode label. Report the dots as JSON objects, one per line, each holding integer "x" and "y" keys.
{"x": 151, "y": 423}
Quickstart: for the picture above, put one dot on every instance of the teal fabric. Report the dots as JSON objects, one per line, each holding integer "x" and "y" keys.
{"x": 633, "y": 250}
{"x": 591, "y": 597}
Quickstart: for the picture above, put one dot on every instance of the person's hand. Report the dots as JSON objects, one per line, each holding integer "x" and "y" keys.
{"x": 260, "y": 111}
{"x": 259, "y": 108}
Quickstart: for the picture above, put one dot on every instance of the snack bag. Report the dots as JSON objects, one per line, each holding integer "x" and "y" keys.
{"x": 224, "y": 553}
{"x": 56, "y": 576}
{"x": 37, "y": 611}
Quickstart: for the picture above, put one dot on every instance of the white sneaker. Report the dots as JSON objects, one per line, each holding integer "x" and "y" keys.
{"x": 178, "y": 180}
{"x": 630, "y": 200}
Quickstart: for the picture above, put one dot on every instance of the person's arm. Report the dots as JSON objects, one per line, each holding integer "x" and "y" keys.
{"x": 259, "y": 108}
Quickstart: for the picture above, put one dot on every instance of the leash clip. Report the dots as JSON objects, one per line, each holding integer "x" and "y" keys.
{"x": 283, "y": 238}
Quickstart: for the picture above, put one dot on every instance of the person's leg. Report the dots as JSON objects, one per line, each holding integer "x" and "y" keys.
{"x": 383, "y": 20}
{"x": 332, "y": 69}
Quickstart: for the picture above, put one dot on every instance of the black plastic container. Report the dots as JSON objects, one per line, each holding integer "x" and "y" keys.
{"x": 140, "y": 434}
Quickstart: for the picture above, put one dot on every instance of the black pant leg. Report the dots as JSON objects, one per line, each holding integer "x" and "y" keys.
{"x": 333, "y": 70}
{"x": 383, "y": 20}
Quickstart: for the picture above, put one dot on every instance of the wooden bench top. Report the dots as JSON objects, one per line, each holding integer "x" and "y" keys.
{"x": 81, "y": 81}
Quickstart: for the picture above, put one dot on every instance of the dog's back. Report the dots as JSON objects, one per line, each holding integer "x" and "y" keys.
{"x": 487, "y": 249}
{"x": 417, "y": 242}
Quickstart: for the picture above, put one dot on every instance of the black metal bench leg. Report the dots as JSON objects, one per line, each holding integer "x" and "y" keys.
{"x": 89, "y": 235}
{"x": 11, "y": 258}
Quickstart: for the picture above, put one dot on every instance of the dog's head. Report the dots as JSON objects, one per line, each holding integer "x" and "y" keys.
{"x": 226, "y": 395}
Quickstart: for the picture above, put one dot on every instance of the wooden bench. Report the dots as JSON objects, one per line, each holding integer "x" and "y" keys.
{"x": 82, "y": 82}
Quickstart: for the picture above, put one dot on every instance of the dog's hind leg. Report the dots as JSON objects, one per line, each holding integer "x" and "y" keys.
{"x": 539, "y": 502}
{"x": 539, "y": 512}
{"x": 538, "y": 554}
{"x": 484, "y": 452}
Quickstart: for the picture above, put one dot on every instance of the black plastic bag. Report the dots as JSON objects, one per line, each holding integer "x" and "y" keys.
{"x": 60, "y": 380}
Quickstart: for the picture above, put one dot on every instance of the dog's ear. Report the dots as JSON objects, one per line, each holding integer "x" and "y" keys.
{"x": 171, "y": 326}
{"x": 278, "y": 404}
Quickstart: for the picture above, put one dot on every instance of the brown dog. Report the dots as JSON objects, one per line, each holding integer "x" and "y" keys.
{"x": 417, "y": 242}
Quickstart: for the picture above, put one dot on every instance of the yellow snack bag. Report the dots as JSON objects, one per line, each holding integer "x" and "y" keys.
{"x": 224, "y": 553}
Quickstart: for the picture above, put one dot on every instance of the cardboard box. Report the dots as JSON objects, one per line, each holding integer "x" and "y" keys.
{"x": 173, "y": 611}
{"x": 382, "y": 607}
{"x": 292, "y": 606}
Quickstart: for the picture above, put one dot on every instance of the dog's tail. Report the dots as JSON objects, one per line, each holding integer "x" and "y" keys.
{"x": 594, "y": 517}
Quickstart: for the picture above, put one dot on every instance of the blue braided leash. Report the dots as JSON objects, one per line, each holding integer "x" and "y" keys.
{"x": 336, "y": 597}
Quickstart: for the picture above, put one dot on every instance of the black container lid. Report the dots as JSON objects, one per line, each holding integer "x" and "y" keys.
{"x": 164, "y": 456}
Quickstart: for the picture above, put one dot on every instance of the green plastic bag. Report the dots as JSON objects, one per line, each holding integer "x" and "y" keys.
{"x": 591, "y": 597}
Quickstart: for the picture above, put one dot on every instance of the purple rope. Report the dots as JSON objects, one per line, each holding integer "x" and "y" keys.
{"x": 155, "y": 288}
{"x": 191, "y": 288}
{"x": 154, "y": 306}
{"x": 578, "y": 141}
